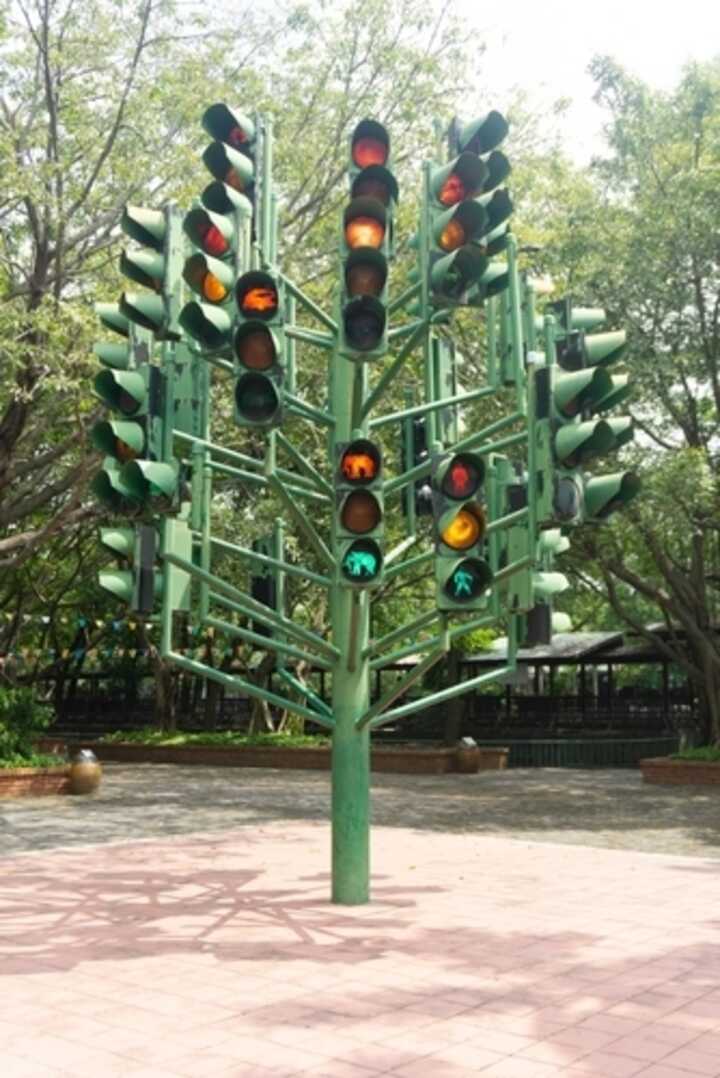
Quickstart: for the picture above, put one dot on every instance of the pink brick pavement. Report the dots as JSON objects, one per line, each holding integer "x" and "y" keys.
{"x": 220, "y": 955}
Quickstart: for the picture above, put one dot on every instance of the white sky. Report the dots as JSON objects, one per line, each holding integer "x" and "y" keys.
{"x": 545, "y": 46}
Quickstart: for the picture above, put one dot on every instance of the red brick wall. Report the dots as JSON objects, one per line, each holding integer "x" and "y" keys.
{"x": 33, "y": 782}
{"x": 680, "y": 772}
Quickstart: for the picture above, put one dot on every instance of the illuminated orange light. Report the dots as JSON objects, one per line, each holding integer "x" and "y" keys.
{"x": 369, "y": 151}
{"x": 365, "y": 280}
{"x": 260, "y": 299}
{"x": 452, "y": 191}
{"x": 463, "y": 531}
{"x": 364, "y": 232}
{"x": 361, "y": 512}
{"x": 256, "y": 350}
{"x": 356, "y": 466}
{"x": 213, "y": 289}
{"x": 452, "y": 236}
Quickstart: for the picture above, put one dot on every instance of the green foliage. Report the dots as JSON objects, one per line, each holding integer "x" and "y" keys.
{"x": 31, "y": 759}
{"x": 475, "y": 642}
{"x": 149, "y": 735}
{"x": 22, "y": 721}
{"x": 709, "y": 754}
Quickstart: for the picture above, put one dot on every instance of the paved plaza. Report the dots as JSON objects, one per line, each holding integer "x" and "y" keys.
{"x": 526, "y": 923}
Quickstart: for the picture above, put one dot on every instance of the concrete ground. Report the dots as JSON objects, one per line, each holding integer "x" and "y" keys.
{"x": 526, "y": 923}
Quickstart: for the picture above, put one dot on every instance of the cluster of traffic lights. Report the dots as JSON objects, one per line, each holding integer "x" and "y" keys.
{"x": 366, "y": 224}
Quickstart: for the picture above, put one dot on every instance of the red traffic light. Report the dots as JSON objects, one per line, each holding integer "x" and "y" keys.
{"x": 370, "y": 144}
{"x": 463, "y": 477}
{"x": 212, "y": 240}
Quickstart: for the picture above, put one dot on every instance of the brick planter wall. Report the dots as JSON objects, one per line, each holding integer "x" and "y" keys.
{"x": 663, "y": 771}
{"x": 407, "y": 761}
{"x": 34, "y": 781}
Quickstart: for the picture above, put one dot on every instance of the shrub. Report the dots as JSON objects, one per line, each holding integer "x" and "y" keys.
{"x": 707, "y": 753}
{"x": 150, "y": 735}
{"x": 22, "y": 721}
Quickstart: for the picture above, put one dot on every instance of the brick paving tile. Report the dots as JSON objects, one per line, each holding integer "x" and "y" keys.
{"x": 216, "y": 953}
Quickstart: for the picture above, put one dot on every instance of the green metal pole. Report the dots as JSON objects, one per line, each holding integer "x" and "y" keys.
{"x": 350, "y": 698}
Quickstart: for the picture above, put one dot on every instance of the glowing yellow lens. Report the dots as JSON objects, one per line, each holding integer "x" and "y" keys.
{"x": 364, "y": 232}
{"x": 212, "y": 289}
{"x": 463, "y": 531}
{"x": 452, "y": 236}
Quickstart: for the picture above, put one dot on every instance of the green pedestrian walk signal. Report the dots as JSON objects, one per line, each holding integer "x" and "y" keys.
{"x": 462, "y": 572}
{"x": 359, "y": 512}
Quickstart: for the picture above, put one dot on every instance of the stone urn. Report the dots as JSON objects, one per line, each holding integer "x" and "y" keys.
{"x": 85, "y": 772}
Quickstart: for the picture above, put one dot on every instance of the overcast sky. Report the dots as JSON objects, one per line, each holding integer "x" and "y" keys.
{"x": 545, "y": 47}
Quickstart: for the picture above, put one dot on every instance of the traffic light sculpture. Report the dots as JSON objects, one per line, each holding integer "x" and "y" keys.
{"x": 231, "y": 307}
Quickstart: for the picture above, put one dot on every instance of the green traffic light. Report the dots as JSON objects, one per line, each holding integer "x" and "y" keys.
{"x": 468, "y": 580}
{"x": 362, "y": 561}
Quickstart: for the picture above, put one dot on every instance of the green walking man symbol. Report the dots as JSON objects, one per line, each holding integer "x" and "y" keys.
{"x": 462, "y": 583}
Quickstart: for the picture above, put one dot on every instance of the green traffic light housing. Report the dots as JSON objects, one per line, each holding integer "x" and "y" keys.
{"x": 147, "y": 227}
{"x": 211, "y": 278}
{"x": 149, "y": 479}
{"x": 123, "y": 441}
{"x": 212, "y": 232}
{"x": 110, "y": 490}
{"x": 209, "y": 325}
{"x": 122, "y": 391}
{"x": 604, "y": 494}
{"x": 462, "y": 178}
{"x": 230, "y": 167}
{"x": 113, "y": 318}
{"x": 144, "y": 267}
{"x": 481, "y": 136}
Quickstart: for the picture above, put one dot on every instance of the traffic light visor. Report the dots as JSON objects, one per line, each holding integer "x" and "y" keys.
{"x": 123, "y": 391}
{"x": 228, "y": 126}
{"x": 459, "y": 179}
{"x": 257, "y": 296}
{"x": 360, "y": 463}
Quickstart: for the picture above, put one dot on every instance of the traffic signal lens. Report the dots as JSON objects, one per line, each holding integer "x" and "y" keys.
{"x": 234, "y": 180}
{"x": 126, "y": 403}
{"x": 237, "y": 137}
{"x": 452, "y": 191}
{"x": 468, "y": 581}
{"x": 364, "y": 279}
{"x": 360, "y": 512}
{"x": 465, "y": 529}
{"x": 360, "y": 465}
{"x": 463, "y": 477}
{"x": 256, "y": 398}
{"x": 369, "y": 151}
{"x": 212, "y": 289}
{"x": 364, "y": 232}
{"x": 260, "y": 300}
{"x": 362, "y": 561}
{"x": 364, "y": 324}
{"x": 123, "y": 451}
{"x": 452, "y": 236}
{"x": 255, "y": 349}
{"x": 371, "y": 187}
{"x": 213, "y": 241}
